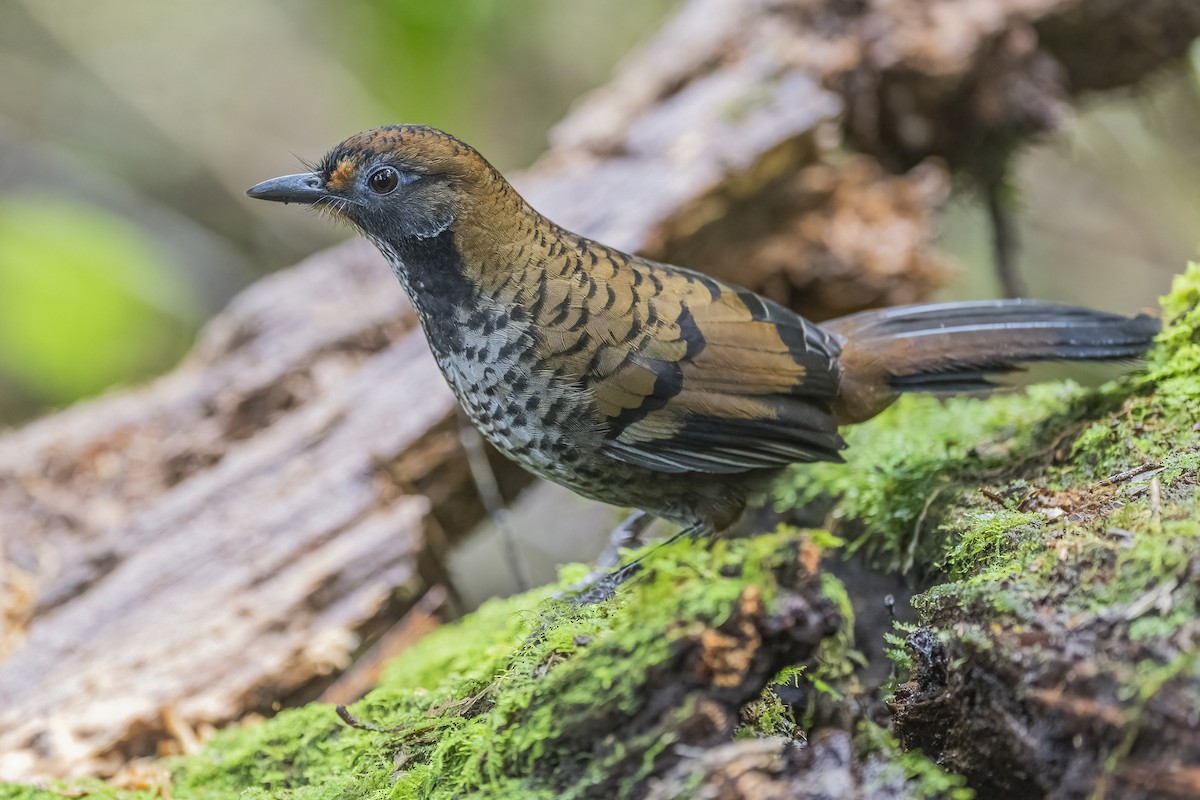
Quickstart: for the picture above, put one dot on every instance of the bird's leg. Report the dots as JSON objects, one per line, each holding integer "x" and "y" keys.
{"x": 606, "y": 586}
{"x": 627, "y": 536}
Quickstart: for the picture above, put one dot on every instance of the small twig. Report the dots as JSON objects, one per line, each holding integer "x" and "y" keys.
{"x": 911, "y": 556}
{"x": 358, "y": 724}
{"x": 493, "y": 501}
{"x": 462, "y": 706}
{"x": 181, "y": 731}
{"x": 995, "y": 497}
{"x": 1004, "y": 237}
{"x": 1023, "y": 506}
{"x": 1156, "y": 503}
{"x": 1159, "y": 598}
{"x": 1126, "y": 474}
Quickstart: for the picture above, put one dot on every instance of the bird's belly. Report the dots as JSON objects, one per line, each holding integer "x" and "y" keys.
{"x": 546, "y": 424}
{"x": 492, "y": 405}
{"x": 534, "y": 419}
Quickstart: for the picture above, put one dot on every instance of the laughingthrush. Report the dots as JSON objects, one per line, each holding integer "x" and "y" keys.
{"x": 643, "y": 384}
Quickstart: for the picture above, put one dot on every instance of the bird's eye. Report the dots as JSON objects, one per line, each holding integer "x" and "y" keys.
{"x": 384, "y": 180}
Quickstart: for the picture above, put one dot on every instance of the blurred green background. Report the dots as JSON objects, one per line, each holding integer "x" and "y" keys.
{"x": 129, "y": 131}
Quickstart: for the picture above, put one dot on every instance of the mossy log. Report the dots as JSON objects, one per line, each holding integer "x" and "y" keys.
{"x": 1057, "y": 652}
{"x": 1056, "y": 649}
{"x": 655, "y": 693}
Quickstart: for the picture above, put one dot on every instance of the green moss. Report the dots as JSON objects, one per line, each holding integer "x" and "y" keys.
{"x": 925, "y": 455}
{"x": 988, "y": 539}
{"x": 1089, "y": 517}
{"x": 91, "y": 788}
{"x": 914, "y": 474}
{"x": 1051, "y": 510}
{"x": 768, "y": 715}
{"x": 482, "y": 708}
{"x": 1064, "y": 532}
{"x": 1167, "y": 395}
{"x": 920, "y": 453}
{"x": 887, "y": 766}
{"x": 1125, "y": 532}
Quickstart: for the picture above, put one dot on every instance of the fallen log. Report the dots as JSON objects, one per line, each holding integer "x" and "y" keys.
{"x": 227, "y": 538}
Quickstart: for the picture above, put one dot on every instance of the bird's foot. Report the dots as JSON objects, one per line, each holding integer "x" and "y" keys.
{"x": 601, "y": 583}
{"x": 626, "y": 536}
{"x": 600, "y": 586}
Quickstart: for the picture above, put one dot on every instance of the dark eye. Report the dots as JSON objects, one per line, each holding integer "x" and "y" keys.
{"x": 384, "y": 180}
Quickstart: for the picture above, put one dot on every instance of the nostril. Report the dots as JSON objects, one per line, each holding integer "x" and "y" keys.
{"x": 313, "y": 183}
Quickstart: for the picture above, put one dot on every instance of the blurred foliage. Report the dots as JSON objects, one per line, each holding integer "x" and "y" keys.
{"x": 496, "y": 72}
{"x": 142, "y": 122}
{"x": 84, "y": 299}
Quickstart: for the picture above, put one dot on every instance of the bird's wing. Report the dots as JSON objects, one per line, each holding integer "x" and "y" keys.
{"x": 692, "y": 375}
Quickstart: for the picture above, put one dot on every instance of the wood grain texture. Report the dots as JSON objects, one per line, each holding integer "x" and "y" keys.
{"x": 234, "y": 586}
{"x": 310, "y": 431}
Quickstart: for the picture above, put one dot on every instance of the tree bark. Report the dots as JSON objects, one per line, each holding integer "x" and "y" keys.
{"x": 227, "y": 538}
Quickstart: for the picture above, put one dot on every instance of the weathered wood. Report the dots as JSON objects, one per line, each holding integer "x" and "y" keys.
{"x": 716, "y": 146}
{"x": 74, "y": 483}
{"x": 223, "y": 539}
{"x": 211, "y": 598}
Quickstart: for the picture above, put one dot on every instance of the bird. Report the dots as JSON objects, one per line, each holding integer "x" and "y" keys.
{"x": 641, "y": 384}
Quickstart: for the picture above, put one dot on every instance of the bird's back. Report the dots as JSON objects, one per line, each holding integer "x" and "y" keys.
{"x": 621, "y": 378}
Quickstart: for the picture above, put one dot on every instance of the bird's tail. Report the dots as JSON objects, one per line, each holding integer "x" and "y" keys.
{"x": 954, "y": 347}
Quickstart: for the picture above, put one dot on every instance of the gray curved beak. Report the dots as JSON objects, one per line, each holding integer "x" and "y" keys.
{"x": 302, "y": 188}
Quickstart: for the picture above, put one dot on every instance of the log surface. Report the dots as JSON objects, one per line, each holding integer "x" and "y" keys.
{"x": 226, "y": 538}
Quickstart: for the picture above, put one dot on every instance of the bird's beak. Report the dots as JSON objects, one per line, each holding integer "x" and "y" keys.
{"x": 304, "y": 188}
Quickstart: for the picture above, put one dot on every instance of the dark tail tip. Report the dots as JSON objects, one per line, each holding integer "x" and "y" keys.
{"x": 951, "y": 347}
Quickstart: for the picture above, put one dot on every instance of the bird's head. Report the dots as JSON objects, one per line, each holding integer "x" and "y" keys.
{"x": 392, "y": 183}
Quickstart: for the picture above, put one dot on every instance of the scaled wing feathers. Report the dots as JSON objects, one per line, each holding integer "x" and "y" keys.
{"x": 707, "y": 378}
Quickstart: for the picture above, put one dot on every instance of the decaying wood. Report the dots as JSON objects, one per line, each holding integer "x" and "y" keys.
{"x": 1039, "y": 704}
{"x": 223, "y": 539}
{"x": 209, "y": 597}
{"x": 694, "y": 699}
{"x": 826, "y": 768}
